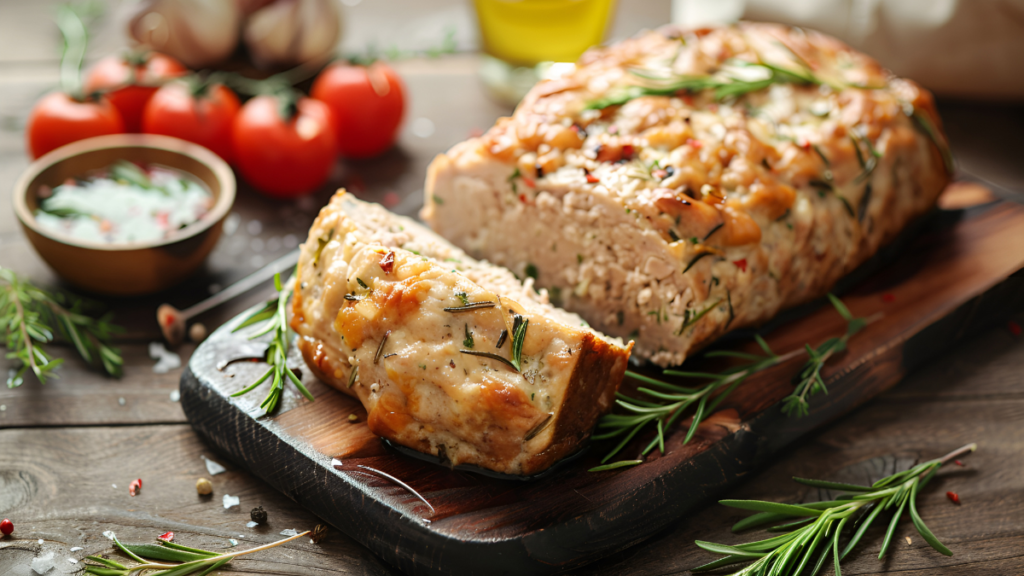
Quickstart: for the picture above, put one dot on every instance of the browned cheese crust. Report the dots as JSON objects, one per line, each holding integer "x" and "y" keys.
{"x": 376, "y": 311}
{"x": 685, "y": 183}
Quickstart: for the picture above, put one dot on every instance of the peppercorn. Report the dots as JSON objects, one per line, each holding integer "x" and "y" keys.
{"x": 6, "y": 527}
{"x": 258, "y": 515}
{"x": 204, "y": 487}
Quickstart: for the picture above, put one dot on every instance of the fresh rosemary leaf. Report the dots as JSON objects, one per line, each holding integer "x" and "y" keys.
{"x": 380, "y": 347}
{"x": 275, "y": 316}
{"x": 615, "y": 465}
{"x": 771, "y": 507}
{"x": 32, "y": 317}
{"x": 490, "y": 355}
{"x": 924, "y": 124}
{"x": 833, "y": 485}
{"x": 823, "y": 525}
{"x": 321, "y": 243}
{"x": 163, "y": 553}
{"x": 519, "y": 325}
{"x": 809, "y": 381}
{"x": 471, "y": 306}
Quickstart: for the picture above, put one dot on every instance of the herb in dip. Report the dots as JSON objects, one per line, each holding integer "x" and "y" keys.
{"x": 124, "y": 203}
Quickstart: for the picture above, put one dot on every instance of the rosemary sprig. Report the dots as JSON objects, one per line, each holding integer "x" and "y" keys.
{"x": 669, "y": 401}
{"x": 664, "y": 404}
{"x": 519, "y": 325}
{"x": 275, "y": 314}
{"x": 809, "y": 381}
{"x": 725, "y": 83}
{"x": 193, "y": 560}
{"x": 823, "y": 523}
{"x": 29, "y": 313}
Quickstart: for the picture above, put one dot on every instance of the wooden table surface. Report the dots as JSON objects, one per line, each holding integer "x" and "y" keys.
{"x": 69, "y": 449}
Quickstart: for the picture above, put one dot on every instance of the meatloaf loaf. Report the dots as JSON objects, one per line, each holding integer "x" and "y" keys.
{"x": 450, "y": 356}
{"x": 684, "y": 183}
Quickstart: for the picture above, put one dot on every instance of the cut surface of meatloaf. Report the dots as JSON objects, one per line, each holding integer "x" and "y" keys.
{"x": 684, "y": 183}
{"x": 450, "y": 356}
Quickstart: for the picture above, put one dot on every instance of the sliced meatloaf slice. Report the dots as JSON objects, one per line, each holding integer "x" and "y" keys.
{"x": 450, "y": 356}
{"x": 684, "y": 183}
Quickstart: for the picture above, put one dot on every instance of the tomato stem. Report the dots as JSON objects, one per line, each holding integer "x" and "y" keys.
{"x": 75, "y": 41}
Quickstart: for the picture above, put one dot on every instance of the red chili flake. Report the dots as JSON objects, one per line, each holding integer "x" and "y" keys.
{"x": 806, "y": 145}
{"x": 387, "y": 262}
{"x": 627, "y": 151}
{"x": 958, "y": 463}
{"x": 135, "y": 486}
{"x": 1014, "y": 328}
{"x": 6, "y": 527}
{"x": 888, "y": 297}
{"x": 660, "y": 173}
{"x": 954, "y": 497}
{"x": 529, "y": 182}
{"x": 591, "y": 179}
{"x": 522, "y": 198}
{"x": 741, "y": 264}
{"x": 696, "y": 144}
{"x": 451, "y": 363}
{"x": 166, "y": 536}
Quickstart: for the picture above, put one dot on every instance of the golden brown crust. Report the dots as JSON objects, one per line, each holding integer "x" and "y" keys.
{"x": 380, "y": 322}
{"x": 644, "y": 207}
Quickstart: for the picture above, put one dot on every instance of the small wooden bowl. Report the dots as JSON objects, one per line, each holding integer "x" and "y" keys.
{"x": 125, "y": 269}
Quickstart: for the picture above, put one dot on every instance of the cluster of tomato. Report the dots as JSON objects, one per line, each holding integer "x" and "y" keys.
{"x": 284, "y": 144}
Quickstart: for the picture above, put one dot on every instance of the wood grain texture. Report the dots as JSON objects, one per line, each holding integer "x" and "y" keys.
{"x": 947, "y": 283}
{"x": 57, "y": 485}
{"x": 976, "y": 394}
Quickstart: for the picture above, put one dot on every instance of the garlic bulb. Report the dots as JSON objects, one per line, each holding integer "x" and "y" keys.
{"x": 199, "y": 33}
{"x": 287, "y": 33}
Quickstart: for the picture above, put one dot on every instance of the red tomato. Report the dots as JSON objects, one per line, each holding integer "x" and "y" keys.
{"x": 205, "y": 118}
{"x": 58, "y": 119}
{"x": 367, "y": 102}
{"x": 284, "y": 158}
{"x": 130, "y": 81}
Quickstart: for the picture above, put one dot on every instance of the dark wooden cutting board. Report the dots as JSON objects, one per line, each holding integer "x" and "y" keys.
{"x": 957, "y": 274}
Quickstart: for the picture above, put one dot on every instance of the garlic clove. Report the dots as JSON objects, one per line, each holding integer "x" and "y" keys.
{"x": 196, "y": 32}
{"x": 287, "y": 33}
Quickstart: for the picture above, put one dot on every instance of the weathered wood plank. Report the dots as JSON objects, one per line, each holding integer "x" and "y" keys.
{"x": 934, "y": 411}
{"x": 57, "y": 485}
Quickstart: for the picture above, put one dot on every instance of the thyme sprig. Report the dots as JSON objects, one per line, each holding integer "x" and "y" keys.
{"x": 819, "y": 525}
{"x": 192, "y": 560}
{"x": 664, "y": 403}
{"x": 275, "y": 314}
{"x": 28, "y": 315}
{"x": 809, "y": 381}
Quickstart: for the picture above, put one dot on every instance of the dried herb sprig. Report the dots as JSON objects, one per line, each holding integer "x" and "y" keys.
{"x": 666, "y": 403}
{"x": 28, "y": 314}
{"x": 819, "y": 525}
{"x": 809, "y": 381}
{"x": 193, "y": 560}
{"x": 275, "y": 314}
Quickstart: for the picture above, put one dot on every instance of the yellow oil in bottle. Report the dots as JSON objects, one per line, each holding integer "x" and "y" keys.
{"x": 527, "y": 32}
